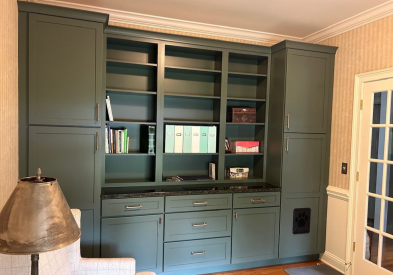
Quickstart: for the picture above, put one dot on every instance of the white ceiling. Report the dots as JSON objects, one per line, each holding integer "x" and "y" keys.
{"x": 297, "y": 18}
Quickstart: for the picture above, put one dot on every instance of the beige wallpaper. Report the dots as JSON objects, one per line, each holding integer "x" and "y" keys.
{"x": 8, "y": 98}
{"x": 367, "y": 48}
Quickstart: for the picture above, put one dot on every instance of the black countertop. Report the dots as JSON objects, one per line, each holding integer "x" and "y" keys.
{"x": 119, "y": 193}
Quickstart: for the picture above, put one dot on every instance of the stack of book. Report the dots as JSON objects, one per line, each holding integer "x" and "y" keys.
{"x": 190, "y": 139}
{"x": 116, "y": 141}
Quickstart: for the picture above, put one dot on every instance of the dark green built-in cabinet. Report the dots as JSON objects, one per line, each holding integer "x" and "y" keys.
{"x": 70, "y": 60}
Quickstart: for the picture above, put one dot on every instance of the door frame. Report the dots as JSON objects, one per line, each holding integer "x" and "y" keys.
{"x": 360, "y": 80}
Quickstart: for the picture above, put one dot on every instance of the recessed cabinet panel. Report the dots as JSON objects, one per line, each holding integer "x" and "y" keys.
{"x": 307, "y": 89}
{"x": 303, "y": 170}
{"x": 65, "y": 71}
{"x": 255, "y": 234}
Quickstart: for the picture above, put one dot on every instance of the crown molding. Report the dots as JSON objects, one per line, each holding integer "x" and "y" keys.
{"x": 170, "y": 24}
{"x": 351, "y": 23}
{"x": 216, "y": 31}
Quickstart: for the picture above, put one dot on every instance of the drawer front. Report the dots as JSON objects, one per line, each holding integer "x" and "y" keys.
{"x": 257, "y": 199}
{"x": 197, "y": 202}
{"x": 132, "y": 206}
{"x": 196, "y": 254}
{"x": 197, "y": 225}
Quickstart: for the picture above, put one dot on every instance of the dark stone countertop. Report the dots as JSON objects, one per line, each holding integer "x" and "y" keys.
{"x": 127, "y": 193}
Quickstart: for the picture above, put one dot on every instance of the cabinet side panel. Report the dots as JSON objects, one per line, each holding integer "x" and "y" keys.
{"x": 276, "y": 114}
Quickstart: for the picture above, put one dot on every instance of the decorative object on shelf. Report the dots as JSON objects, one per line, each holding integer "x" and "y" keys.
{"x": 148, "y": 139}
{"x": 241, "y": 114}
{"x": 212, "y": 170}
{"x": 227, "y": 145}
{"x": 189, "y": 178}
{"x": 172, "y": 178}
{"x": 109, "y": 108}
{"x": 245, "y": 146}
{"x": 36, "y": 219}
{"x": 237, "y": 172}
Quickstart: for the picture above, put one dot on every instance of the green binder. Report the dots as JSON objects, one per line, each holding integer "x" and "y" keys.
{"x": 169, "y": 138}
{"x": 212, "y": 139}
{"x": 203, "y": 139}
{"x": 187, "y": 139}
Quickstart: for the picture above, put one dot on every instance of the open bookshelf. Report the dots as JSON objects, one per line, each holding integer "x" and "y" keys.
{"x": 161, "y": 83}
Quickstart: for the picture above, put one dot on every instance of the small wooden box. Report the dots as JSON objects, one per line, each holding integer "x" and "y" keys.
{"x": 237, "y": 172}
{"x": 245, "y": 147}
{"x": 241, "y": 114}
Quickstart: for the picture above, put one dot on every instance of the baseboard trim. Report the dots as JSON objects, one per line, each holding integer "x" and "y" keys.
{"x": 333, "y": 261}
{"x": 338, "y": 193}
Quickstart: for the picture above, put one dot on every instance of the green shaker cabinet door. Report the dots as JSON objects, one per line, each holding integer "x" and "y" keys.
{"x": 307, "y": 91}
{"x": 65, "y": 71}
{"x": 255, "y": 234}
{"x": 139, "y": 237}
{"x": 303, "y": 169}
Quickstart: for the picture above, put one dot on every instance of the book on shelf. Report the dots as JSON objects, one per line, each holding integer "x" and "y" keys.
{"x": 116, "y": 140}
{"x": 148, "y": 139}
{"x": 109, "y": 108}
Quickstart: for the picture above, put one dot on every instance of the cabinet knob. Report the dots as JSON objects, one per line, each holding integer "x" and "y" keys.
{"x": 235, "y": 215}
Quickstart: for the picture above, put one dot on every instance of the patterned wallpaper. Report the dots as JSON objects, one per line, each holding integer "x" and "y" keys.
{"x": 364, "y": 49}
{"x": 8, "y": 98}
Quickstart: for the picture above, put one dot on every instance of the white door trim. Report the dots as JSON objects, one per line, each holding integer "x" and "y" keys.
{"x": 360, "y": 80}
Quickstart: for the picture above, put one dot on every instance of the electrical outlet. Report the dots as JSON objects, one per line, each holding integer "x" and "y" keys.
{"x": 344, "y": 168}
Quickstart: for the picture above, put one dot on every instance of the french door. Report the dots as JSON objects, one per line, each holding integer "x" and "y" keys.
{"x": 374, "y": 206}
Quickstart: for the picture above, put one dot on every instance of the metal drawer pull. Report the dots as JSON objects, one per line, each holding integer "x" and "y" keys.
{"x": 97, "y": 141}
{"x": 98, "y": 111}
{"x": 199, "y": 203}
{"x": 287, "y": 144}
{"x": 260, "y": 200}
{"x": 198, "y": 253}
{"x": 287, "y": 121}
{"x": 133, "y": 207}
{"x": 199, "y": 224}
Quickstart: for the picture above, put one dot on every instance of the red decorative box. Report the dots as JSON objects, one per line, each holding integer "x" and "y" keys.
{"x": 245, "y": 146}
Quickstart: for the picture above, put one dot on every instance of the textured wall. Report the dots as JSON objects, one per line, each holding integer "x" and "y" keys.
{"x": 364, "y": 49}
{"x": 8, "y": 98}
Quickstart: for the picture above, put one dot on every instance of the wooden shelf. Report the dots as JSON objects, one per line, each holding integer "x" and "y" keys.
{"x": 190, "y": 122}
{"x": 190, "y": 154}
{"x": 249, "y": 180}
{"x": 243, "y": 154}
{"x": 246, "y": 99}
{"x": 246, "y": 124}
{"x": 131, "y": 122}
{"x": 240, "y": 74}
{"x": 126, "y": 182}
{"x": 191, "y": 96}
{"x": 192, "y": 69}
{"x": 124, "y": 91}
{"x": 130, "y": 154}
{"x": 121, "y": 63}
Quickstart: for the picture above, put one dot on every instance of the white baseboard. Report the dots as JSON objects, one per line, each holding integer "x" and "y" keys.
{"x": 334, "y": 262}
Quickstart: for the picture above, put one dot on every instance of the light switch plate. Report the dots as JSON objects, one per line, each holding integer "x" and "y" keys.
{"x": 344, "y": 168}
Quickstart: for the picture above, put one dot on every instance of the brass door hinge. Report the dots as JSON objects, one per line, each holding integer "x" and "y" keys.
{"x": 354, "y": 246}
{"x": 361, "y": 104}
{"x": 357, "y": 176}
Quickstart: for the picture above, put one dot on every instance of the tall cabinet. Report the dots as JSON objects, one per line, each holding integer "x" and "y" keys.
{"x": 299, "y": 139}
{"x": 60, "y": 98}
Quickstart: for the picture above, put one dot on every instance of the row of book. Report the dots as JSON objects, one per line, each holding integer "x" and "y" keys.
{"x": 190, "y": 139}
{"x": 116, "y": 141}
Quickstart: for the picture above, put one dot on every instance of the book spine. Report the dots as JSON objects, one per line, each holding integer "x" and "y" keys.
{"x": 151, "y": 139}
{"x": 106, "y": 140}
{"x": 125, "y": 141}
{"x": 117, "y": 142}
{"x": 109, "y": 108}
{"x": 128, "y": 143}
{"x": 122, "y": 150}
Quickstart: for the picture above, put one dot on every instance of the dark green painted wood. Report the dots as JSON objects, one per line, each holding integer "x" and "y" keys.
{"x": 132, "y": 206}
{"x": 178, "y": 255}
{"x": 139, "y": 237}
{"x": 288, "y": 44}
{"x": 303, "y": 167}
{"x": 300, "y": 244}
{"x": 307, "y": 91}
{"x": 198, "y": 202}
{"x": 252, "y": 200}
{"x": 197, "y": 225}
{"x": 160, "y": 113}
{"x": 64, "y": 71}
{"x": 87, "y": 237}
{"x": 255, "y": 234}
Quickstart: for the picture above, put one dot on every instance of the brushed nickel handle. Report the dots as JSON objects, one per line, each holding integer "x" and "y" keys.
{"x": 235, "y": 215}
{"x": 133, "y": 207}
{"x": 98, "y": 111}
{"x": 260, "y": 200}
{"x": 198, "y": 253}
{"x": 199, "y": 203}
{"x": 287, "y": 144}
{"x": 97, "y": 141}
{"x": 287, "y": 121}
{"x": 159, "y": 220}
{"x": 199, "y": 224}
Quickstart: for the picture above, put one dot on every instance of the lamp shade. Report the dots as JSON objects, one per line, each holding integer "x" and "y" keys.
{"x": 36, "y": 218}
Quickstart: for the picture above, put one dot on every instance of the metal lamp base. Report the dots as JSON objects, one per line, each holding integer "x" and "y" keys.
{"x": 34, "y": 264}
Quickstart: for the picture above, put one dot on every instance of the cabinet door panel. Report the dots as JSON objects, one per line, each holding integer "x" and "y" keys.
{"x": 65, "y": 71}
{"x": 139, "y": 237}
{"x": 70, "y": 155}
{"x": 307, "y": 91}
{"x": 303, "y": 164}
{"x": 255, "y": 234}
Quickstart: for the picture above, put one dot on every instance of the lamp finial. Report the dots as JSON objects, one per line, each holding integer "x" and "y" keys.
{"x": 38, "y": 179}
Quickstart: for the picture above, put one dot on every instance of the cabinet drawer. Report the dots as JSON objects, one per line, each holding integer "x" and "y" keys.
{"x": 257, "y": 199}
{"x": 197, "y": 225}
{"x": 196, "y": 254}
{"x": 132, "y": 206}
{"x": 197, "y": 202}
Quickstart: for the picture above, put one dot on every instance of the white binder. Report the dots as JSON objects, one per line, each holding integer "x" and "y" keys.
{"x": 195, "y": 144}
{"x": 178, "y": 139}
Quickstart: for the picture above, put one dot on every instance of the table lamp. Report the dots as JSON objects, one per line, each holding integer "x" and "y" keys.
{"x": 36, "y": 219}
